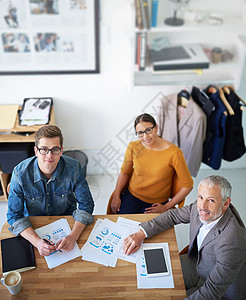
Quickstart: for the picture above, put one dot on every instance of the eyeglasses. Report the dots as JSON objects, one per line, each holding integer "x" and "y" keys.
{"x": 147, "y": 131}
{"x": 45, "y": 151}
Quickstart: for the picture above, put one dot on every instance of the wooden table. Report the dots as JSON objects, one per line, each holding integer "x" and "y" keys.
{"x": 79, "y": 279}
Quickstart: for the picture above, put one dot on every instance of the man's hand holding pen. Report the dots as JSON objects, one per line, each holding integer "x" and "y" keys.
{"x": 53, "y": 245}
{"x": 46, "y": 247}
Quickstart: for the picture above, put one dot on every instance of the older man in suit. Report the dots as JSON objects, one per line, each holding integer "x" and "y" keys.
{"x": 215, "y": 267}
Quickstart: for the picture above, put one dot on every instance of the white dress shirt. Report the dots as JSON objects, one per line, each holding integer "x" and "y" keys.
{"x": 204, "y": 230}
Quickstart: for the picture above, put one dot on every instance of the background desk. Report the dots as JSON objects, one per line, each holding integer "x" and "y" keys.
{"x": 79, "y": 279}
{"x": 10, "y": 137}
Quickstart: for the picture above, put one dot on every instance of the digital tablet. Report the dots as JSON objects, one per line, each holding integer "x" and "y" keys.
{"x": 156, "y": 261}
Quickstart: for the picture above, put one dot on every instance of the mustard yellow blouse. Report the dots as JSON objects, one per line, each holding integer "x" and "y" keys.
{"x": 152, "y": 171}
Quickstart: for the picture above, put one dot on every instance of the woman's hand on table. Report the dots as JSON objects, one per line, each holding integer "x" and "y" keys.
{"x": 156, "y": 208}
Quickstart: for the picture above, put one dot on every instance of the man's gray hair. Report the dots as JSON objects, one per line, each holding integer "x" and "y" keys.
{"x": 224, "y": 185}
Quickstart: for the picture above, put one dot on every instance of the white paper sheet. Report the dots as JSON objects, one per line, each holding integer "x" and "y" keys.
{"x": 104, "y": 243}
{"x": 32, "y": 115}
{"x": 133, "y": 226}
{"x": 161, "y": 282}
{"x": 54, "y": 232}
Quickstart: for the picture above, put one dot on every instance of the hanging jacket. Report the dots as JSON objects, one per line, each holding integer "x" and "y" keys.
{"x": 216, "y": 131}
{"x": 234, "y": 146}
{"x": 188, "y": 133}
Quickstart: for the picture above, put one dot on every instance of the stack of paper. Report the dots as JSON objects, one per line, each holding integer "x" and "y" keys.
{"x": 54, "y": 232}
{"x": 35, "y": 111}
{"x": 104, "y": 243}
{"x": 133, "y": 226}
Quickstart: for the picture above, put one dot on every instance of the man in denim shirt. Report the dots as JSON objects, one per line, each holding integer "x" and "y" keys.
{"x": 49, "y": 184}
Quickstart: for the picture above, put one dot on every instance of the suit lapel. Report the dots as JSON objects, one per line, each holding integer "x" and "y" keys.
{"x": 171, "y": 132}
{"x": 195, "y": 229}
{"x": 217, "y": 229}
{"x": 186, "y": 116}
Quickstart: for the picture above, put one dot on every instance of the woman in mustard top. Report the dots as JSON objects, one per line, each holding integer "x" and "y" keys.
{"x": 147, "y": 170}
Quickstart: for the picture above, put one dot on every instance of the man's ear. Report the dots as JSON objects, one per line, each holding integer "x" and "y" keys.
{"x": 35, "y": 150}
{"x": 226, "y": 203}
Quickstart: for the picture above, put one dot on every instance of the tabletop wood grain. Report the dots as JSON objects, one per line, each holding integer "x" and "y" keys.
{"x": 79, "y": 279}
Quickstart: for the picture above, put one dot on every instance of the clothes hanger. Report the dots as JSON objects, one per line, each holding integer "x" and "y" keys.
{"x": 227, "y": 89}
{"x": 226, "y": 103}
{"x": 213, "y": 89}
{"x": 183, "y": 98}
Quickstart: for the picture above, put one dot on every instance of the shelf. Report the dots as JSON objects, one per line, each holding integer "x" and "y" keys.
{"x": 197, "y": 29}
{"x": 229, "y": 25}
{"x": 10, "y": 135}
{"x": 222, "y": 73}
{"x": 176, "y": 77}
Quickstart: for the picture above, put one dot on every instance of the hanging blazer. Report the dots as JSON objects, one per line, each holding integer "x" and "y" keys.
{"x": 234, "y": 146}
{"x": 216, "y": 131}
{"x": 188, "y": 134}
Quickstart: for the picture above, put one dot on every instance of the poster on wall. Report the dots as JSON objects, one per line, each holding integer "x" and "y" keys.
{"x": 49, "y": 37}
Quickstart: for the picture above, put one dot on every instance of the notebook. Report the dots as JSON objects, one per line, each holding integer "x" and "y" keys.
{"x": 179, "y": 57}
{"x": 17, "y": 255}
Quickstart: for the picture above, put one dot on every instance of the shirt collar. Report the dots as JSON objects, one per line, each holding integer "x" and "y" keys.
{"x": 38, "y": 175}
{"x": 211, "y": 224}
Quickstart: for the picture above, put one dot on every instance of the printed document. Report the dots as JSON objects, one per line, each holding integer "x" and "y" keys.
{"x": 133, "y": 226}
{"x": 54, "y": 232}
{"x": 104, "y": 243}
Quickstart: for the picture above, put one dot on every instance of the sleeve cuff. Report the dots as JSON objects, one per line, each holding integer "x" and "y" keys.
{"x": 143, "y": 231}
{"x": 83, "y": 217}
{"x": 18, "y": 226}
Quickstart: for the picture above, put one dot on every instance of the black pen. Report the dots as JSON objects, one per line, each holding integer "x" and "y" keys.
{"x": 49, "y": 243}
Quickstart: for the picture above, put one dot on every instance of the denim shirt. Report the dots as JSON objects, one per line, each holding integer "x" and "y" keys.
{"x": 32, "y": 194}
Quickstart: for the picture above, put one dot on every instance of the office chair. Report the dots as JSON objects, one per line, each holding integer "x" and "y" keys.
{"x": 78, "y": 155}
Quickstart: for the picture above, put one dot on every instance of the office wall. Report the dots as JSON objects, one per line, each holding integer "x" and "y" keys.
{"x": 96, "y": 112}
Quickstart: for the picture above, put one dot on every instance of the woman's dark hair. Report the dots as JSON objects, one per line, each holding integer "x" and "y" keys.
{"x": 144, "y": 118}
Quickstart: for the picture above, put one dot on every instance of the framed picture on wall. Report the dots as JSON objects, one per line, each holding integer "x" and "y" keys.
{"x": 49, "y": 37}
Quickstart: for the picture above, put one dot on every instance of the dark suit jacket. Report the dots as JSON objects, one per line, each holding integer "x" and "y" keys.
{"x": 215, "y": 137}
{"x": 221, "y": 261}
{"x": 234, "y": 146}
